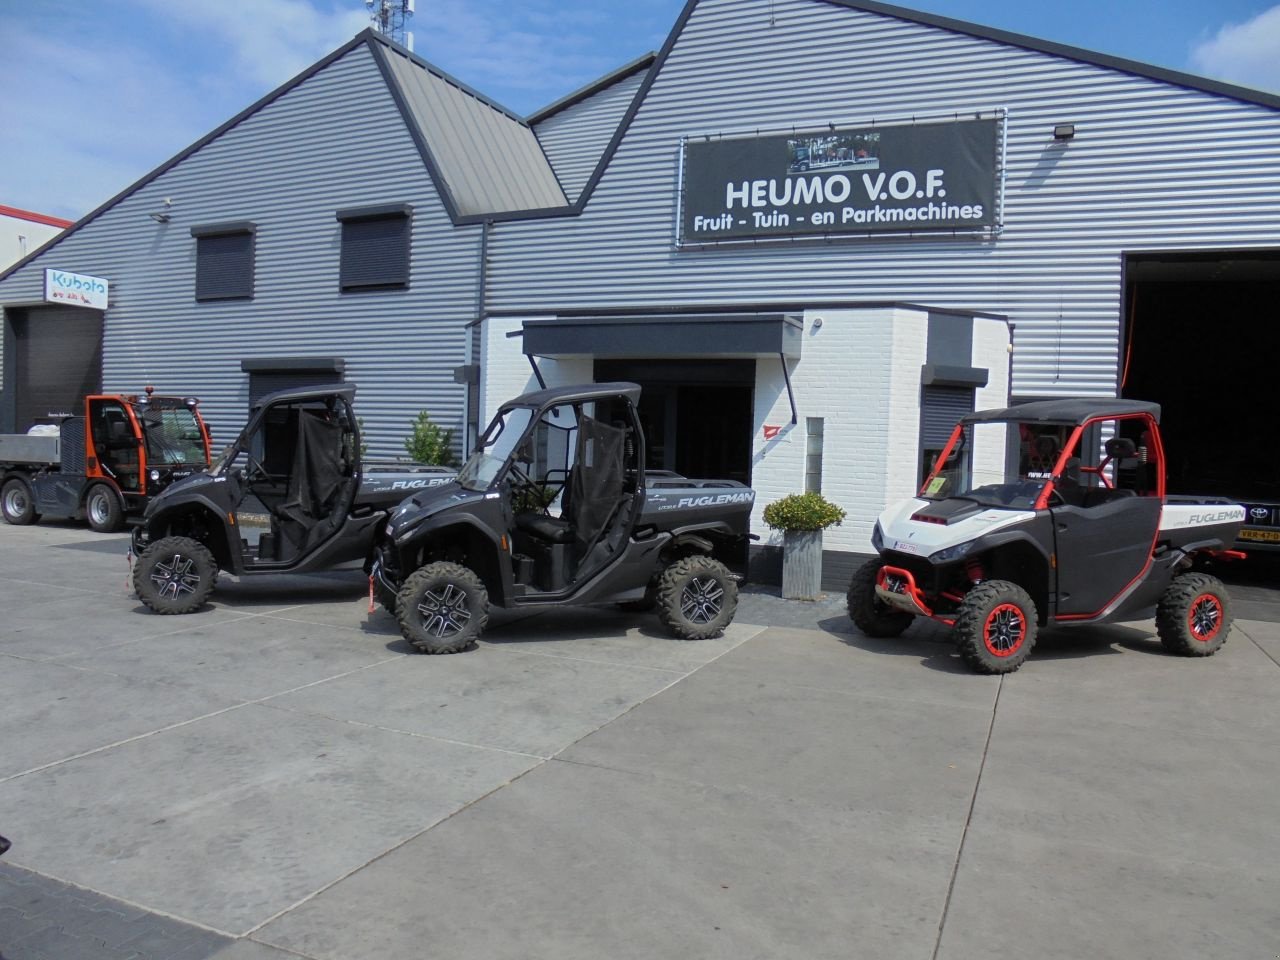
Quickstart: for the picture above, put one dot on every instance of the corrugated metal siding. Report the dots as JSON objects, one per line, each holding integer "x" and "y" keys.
{"x": 1153, "y": 166}
{"x": 490, "y": 162}
{"x": 337, "y": 140}
{"x": 575, "y": 138}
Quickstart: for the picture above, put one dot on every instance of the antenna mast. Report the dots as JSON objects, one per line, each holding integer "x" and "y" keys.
{"x": 391, "y": 19}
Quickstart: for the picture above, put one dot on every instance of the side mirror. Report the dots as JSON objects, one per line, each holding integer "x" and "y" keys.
{"x": 4, "y": 846}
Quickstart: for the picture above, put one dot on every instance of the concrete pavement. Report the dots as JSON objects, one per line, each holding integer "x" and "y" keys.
{"x": 277, "y": 776}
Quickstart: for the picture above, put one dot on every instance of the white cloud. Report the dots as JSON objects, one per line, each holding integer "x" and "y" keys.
{"x": 1245, "y": 53}
{"x": 269, "y": 42}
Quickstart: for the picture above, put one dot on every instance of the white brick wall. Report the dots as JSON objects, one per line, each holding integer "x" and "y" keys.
{"x": 505, "y": 372}
{"x": 859, "y": 370}
{"x": 991, "y": 350}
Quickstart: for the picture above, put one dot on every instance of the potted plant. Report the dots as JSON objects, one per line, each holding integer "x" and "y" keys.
{"x": 802, "y": 517}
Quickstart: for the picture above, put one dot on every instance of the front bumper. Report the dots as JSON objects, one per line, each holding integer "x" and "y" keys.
{"x": 896, "y": 587}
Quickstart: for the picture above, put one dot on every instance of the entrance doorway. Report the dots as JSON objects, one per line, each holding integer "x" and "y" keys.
{"x": 697, "y": 414}
{"x": 1199, "y": 342}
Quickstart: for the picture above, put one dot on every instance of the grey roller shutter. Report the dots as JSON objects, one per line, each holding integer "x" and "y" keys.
{"x": 58, "y": 362}
{"x": 375, "y": 248}
{"x": 940, "y": 408}
{"x": 224, "y": 266}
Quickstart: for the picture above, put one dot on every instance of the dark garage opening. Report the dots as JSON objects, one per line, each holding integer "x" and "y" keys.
{"x": 1202, "y": 341}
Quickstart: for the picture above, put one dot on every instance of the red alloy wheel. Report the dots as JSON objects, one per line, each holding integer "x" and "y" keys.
{"x": 1204, "y": 619}
{"x": 1005, "y": 630}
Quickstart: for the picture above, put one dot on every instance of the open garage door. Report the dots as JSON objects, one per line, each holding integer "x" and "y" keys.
{"x": 1202, "y": 342}
{"x": 58, "y": 361}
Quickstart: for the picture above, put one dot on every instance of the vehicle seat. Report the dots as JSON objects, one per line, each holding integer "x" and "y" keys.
{"x": 551, "y": 529}
{"x": 1068, "y": 485}
{"x": 1043, "y": 453}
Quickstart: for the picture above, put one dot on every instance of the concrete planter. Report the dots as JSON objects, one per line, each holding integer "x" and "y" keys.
{"x": 801, "y": 564}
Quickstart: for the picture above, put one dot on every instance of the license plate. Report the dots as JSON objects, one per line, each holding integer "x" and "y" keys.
{"x": 1263, "y": 536}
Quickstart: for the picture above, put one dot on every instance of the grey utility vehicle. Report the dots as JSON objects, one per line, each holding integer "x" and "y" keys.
{"x": 1051, "y": 512}
{"x": 555, "y": 509}
{"x": 296, "y": 470}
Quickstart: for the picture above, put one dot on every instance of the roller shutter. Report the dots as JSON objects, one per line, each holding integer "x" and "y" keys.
{"x": 940, "y": 408}
{"x": 58, "y": 361}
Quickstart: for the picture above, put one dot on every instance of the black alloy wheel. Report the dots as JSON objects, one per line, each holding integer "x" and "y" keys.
{"x": 175, "y": 575}
{"x": 442, "y": 608}
{"x": 697, "y": 598}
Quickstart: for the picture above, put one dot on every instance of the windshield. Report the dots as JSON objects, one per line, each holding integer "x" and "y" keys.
{"x": 1001, "y": 464}
{"x": 172, "y": 434}
{"x": 496, "y": 446}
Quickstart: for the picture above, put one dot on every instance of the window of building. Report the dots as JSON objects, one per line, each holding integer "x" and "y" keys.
{"x": 224, "y": 261}
{"x": 375, "y": 247}
{"x": 813, "y": 454}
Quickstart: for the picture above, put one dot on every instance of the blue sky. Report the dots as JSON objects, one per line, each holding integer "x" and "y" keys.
{"x": 98, "y": 92}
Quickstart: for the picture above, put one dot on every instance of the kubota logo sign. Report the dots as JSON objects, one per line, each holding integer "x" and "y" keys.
{"x": 76, "y": 289}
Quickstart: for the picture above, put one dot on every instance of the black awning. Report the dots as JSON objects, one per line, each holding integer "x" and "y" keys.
{"x": 743, "y": 335}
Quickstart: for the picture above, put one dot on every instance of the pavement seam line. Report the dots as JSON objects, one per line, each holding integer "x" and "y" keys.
{"x": 968, "y": 820}
{"x": 63, "y": 657}
{"x": 121, "y": 743}
{"x": 656, "y": 693}
{"x": 502, "y": 786}
{"x": 602, "y": 663}
{"x": 173, "y": 726}
{"x": 1265, "y": 652}
{"x": 385, "y": 853}
{"x": 406, "y": 733}
{"x": 128, "y": 903}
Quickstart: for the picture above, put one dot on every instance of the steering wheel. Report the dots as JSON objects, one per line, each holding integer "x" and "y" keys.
{"x": 254, "y": 469}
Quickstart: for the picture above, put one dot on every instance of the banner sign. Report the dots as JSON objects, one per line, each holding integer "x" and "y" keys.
{"x": 922, "y": 177}
{"x": 75, "y": 289}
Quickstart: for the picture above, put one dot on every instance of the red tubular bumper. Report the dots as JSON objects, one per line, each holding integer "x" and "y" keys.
{"x": 897, "y": 588}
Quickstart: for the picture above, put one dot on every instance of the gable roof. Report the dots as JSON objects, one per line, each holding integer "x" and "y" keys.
{"x": 485, "y": 159}
{"x": 470, "y": 124}
{"x": 591, "y": 89}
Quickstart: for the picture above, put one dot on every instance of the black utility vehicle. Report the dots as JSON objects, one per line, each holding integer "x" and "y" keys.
{"x": 492, "y": 538}
{"x": 1052, "y": 512}
{"x": 289, "y": 496}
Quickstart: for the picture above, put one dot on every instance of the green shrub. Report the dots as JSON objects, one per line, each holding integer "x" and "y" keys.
{"x": 802, "y": 511}
{"x": 430, "y": 443}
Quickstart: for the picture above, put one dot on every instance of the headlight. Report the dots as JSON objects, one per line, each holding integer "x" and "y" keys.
{"x": 947, "y": 554}
{"x": 877, "y": 538}
{"x": 155, "y": 475}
